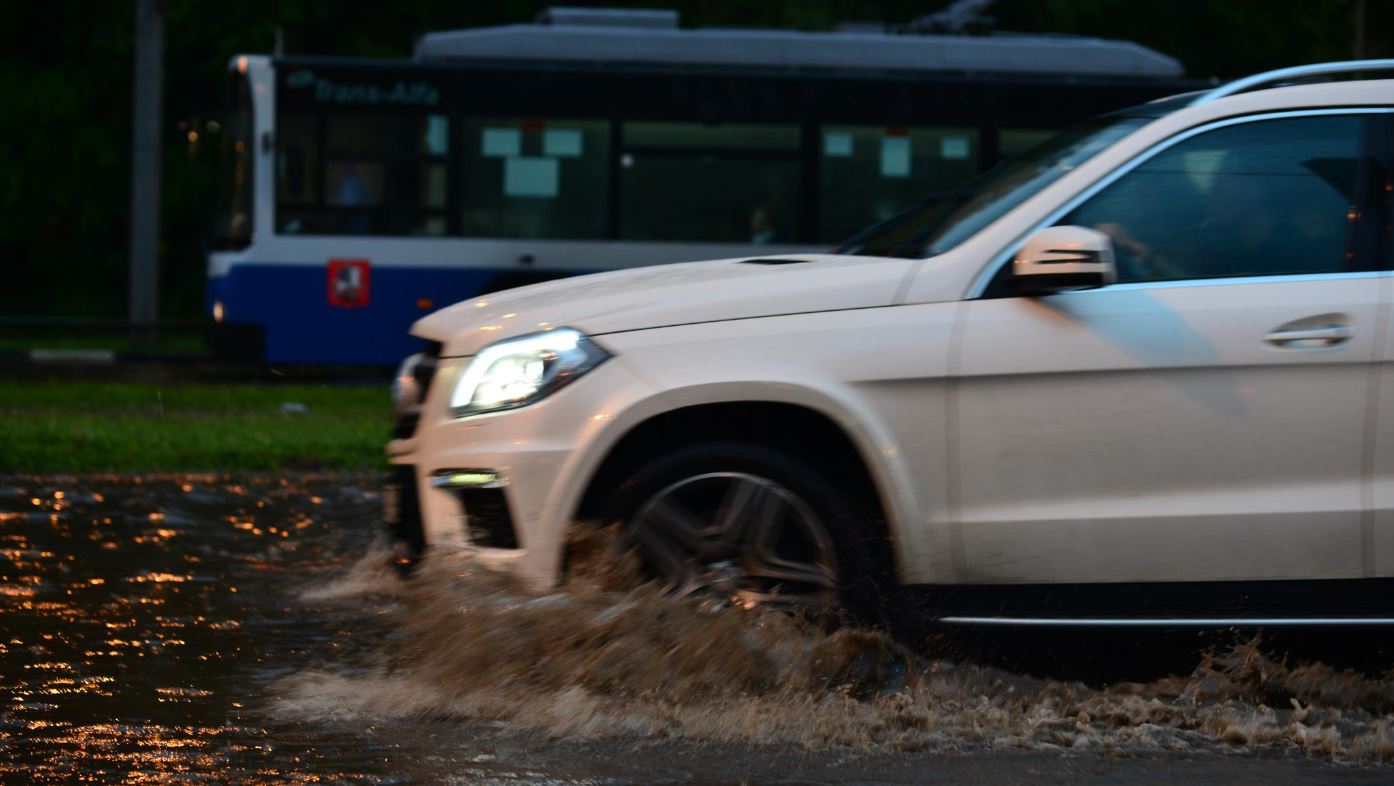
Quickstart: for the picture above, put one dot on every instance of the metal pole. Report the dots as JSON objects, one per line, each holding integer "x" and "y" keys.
{"x": 145, "y": 168}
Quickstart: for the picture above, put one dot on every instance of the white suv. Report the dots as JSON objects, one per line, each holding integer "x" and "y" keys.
{"x": 1143, "y": 375}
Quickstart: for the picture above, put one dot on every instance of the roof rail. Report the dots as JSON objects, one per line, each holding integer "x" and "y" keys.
{"x": 1295, "y": 72}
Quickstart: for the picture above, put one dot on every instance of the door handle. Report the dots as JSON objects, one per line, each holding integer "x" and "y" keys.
{"x": 1310, "y": 338}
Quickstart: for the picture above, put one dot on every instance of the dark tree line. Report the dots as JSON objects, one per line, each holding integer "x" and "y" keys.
{"x": 65, "y": 86}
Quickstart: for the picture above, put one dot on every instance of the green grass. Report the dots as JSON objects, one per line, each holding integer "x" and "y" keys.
{"x": 127, "y": 427}
{"x": 166, "y": 343}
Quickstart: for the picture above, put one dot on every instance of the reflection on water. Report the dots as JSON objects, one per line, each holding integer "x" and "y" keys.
{"x": 199, "y": 628}
{"x": 140, "y": 622}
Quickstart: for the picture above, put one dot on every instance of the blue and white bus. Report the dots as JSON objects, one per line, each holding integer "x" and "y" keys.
{"x": 361, "y": 194}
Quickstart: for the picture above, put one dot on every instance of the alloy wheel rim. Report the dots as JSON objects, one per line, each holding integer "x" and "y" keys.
{"x": 737, "y": 537}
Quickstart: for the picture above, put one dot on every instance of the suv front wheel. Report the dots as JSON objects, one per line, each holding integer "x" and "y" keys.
{"x": 751, "y": 525}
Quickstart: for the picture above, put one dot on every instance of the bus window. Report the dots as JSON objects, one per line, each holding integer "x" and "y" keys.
{"x": 297, "y": 160}
{"x": 386, "y": 134}
{"x": 726, "y": 183}
{"x": 535, "y": 178}
{"x": 353, "y": 183}
{"x": 869, "y": 173}
{"x": 1015, "y": 141}
{"x": 362, "y": 174}
{"x": 233, "y": 226}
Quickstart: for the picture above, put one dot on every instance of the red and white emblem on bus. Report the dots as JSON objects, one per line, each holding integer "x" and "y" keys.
{"x": 349, "y": 282}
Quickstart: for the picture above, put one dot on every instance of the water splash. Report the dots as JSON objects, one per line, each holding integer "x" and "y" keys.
{"x": 371, "y": 575}
{"x": 599, "y": 662}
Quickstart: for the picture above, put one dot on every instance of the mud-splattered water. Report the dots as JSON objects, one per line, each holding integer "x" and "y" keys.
{"x": 202, "y": 629}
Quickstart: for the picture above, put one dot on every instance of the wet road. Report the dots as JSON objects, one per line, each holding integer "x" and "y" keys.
{"x": 199, "y": 629}
{"x": 143, "y": 621}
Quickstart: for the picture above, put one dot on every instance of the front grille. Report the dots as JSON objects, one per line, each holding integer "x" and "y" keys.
{"x": 487, "y": 518}
{"x": 425, "y": 371}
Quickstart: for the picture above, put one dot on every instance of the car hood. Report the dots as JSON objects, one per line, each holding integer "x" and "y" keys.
{"x": 662, "y": 295}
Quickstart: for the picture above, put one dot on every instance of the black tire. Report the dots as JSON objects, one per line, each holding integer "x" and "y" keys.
{"x": 864, "y": 585}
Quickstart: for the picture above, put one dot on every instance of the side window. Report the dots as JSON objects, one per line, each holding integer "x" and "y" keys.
{"x": 360, "y": 173}
{"x": 1015, "y": 141}
{"x": 1271, "y": 197}
{"x": 725, "y": 183}
{"x": 297, "y": 160}
{"x": 535, "y": 178}
{"x": 868, "y": 174}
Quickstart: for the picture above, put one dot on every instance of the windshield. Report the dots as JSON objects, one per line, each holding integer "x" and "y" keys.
{"x": 232, "y": 228}
{"x": 947, "y": 219}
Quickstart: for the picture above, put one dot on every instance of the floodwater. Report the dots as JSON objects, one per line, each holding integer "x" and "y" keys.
{"x": 205, "y": 629}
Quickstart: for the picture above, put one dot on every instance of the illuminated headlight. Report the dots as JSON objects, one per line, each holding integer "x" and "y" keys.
{"x": 519, "y": 371}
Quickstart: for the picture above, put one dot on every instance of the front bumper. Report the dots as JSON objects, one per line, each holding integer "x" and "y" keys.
{"x": 543, "y": 455}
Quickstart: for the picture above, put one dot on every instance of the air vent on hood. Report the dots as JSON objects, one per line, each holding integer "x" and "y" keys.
{"x": 765, "y": 261}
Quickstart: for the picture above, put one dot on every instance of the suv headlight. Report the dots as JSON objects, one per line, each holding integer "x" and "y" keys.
{"x": 519, "y": 371}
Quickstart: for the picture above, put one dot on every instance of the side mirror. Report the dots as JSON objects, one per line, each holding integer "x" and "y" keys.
{"x": 1064, "y": 257}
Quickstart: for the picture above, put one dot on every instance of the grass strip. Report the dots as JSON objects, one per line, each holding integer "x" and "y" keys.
{"x": 130, "y": 427}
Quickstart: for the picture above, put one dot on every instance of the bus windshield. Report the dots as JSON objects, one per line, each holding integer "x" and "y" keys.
{"x": 944, "y": 220}
{"x": 232, "y": 227}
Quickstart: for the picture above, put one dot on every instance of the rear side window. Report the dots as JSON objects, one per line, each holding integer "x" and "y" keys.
{"x": 1272, "y": 197}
